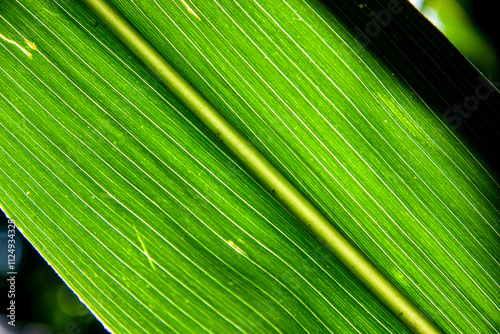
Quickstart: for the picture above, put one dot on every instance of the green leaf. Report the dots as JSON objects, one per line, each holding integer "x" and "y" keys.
{"x": 156, "y": 228}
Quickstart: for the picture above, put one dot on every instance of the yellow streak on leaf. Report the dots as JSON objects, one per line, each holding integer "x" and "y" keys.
{"x": 190, "y": 10}
{"x": 145, "y": 250}
{"x": 32, "y": 45}
{"x": 19, "y": 46}
{"x": 236, "y": 248}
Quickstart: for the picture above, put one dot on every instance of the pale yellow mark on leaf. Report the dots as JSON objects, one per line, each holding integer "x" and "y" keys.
{"x": 32, "y": 45}
{"x": 190, "y": 9}
{"x": 236, "y": 248}
{"x": 26, "y": 52}
{"x": 144, "y": 249}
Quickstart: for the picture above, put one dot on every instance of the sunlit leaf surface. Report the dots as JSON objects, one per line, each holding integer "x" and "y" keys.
{"x": 157, "y": 229}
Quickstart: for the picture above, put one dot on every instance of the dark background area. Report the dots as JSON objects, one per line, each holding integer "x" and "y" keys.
{"x": 44, "y": 304}
{"x": 485, "y": 16}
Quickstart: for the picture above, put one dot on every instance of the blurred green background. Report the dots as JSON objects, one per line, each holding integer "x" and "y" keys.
{"x": 44, "y": 304}
{"x": 471, "y": 26}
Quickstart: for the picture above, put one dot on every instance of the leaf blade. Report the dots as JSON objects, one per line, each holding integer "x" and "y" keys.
{"x": 279, "y": 153}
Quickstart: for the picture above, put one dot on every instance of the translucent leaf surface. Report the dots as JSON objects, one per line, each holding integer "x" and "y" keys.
{"x": 151, "y": 222}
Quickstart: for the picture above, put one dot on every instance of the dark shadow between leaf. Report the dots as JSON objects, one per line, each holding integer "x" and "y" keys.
{"x": 400, "y": 36}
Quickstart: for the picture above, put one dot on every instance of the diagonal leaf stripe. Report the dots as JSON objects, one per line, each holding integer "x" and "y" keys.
{"x": 151, "y": 222}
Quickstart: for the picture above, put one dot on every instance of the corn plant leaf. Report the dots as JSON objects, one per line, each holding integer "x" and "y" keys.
{"x": 157, "y": 229}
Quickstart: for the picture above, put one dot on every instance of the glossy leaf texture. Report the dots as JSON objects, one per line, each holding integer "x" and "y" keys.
{"x": 148, "y": 219}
